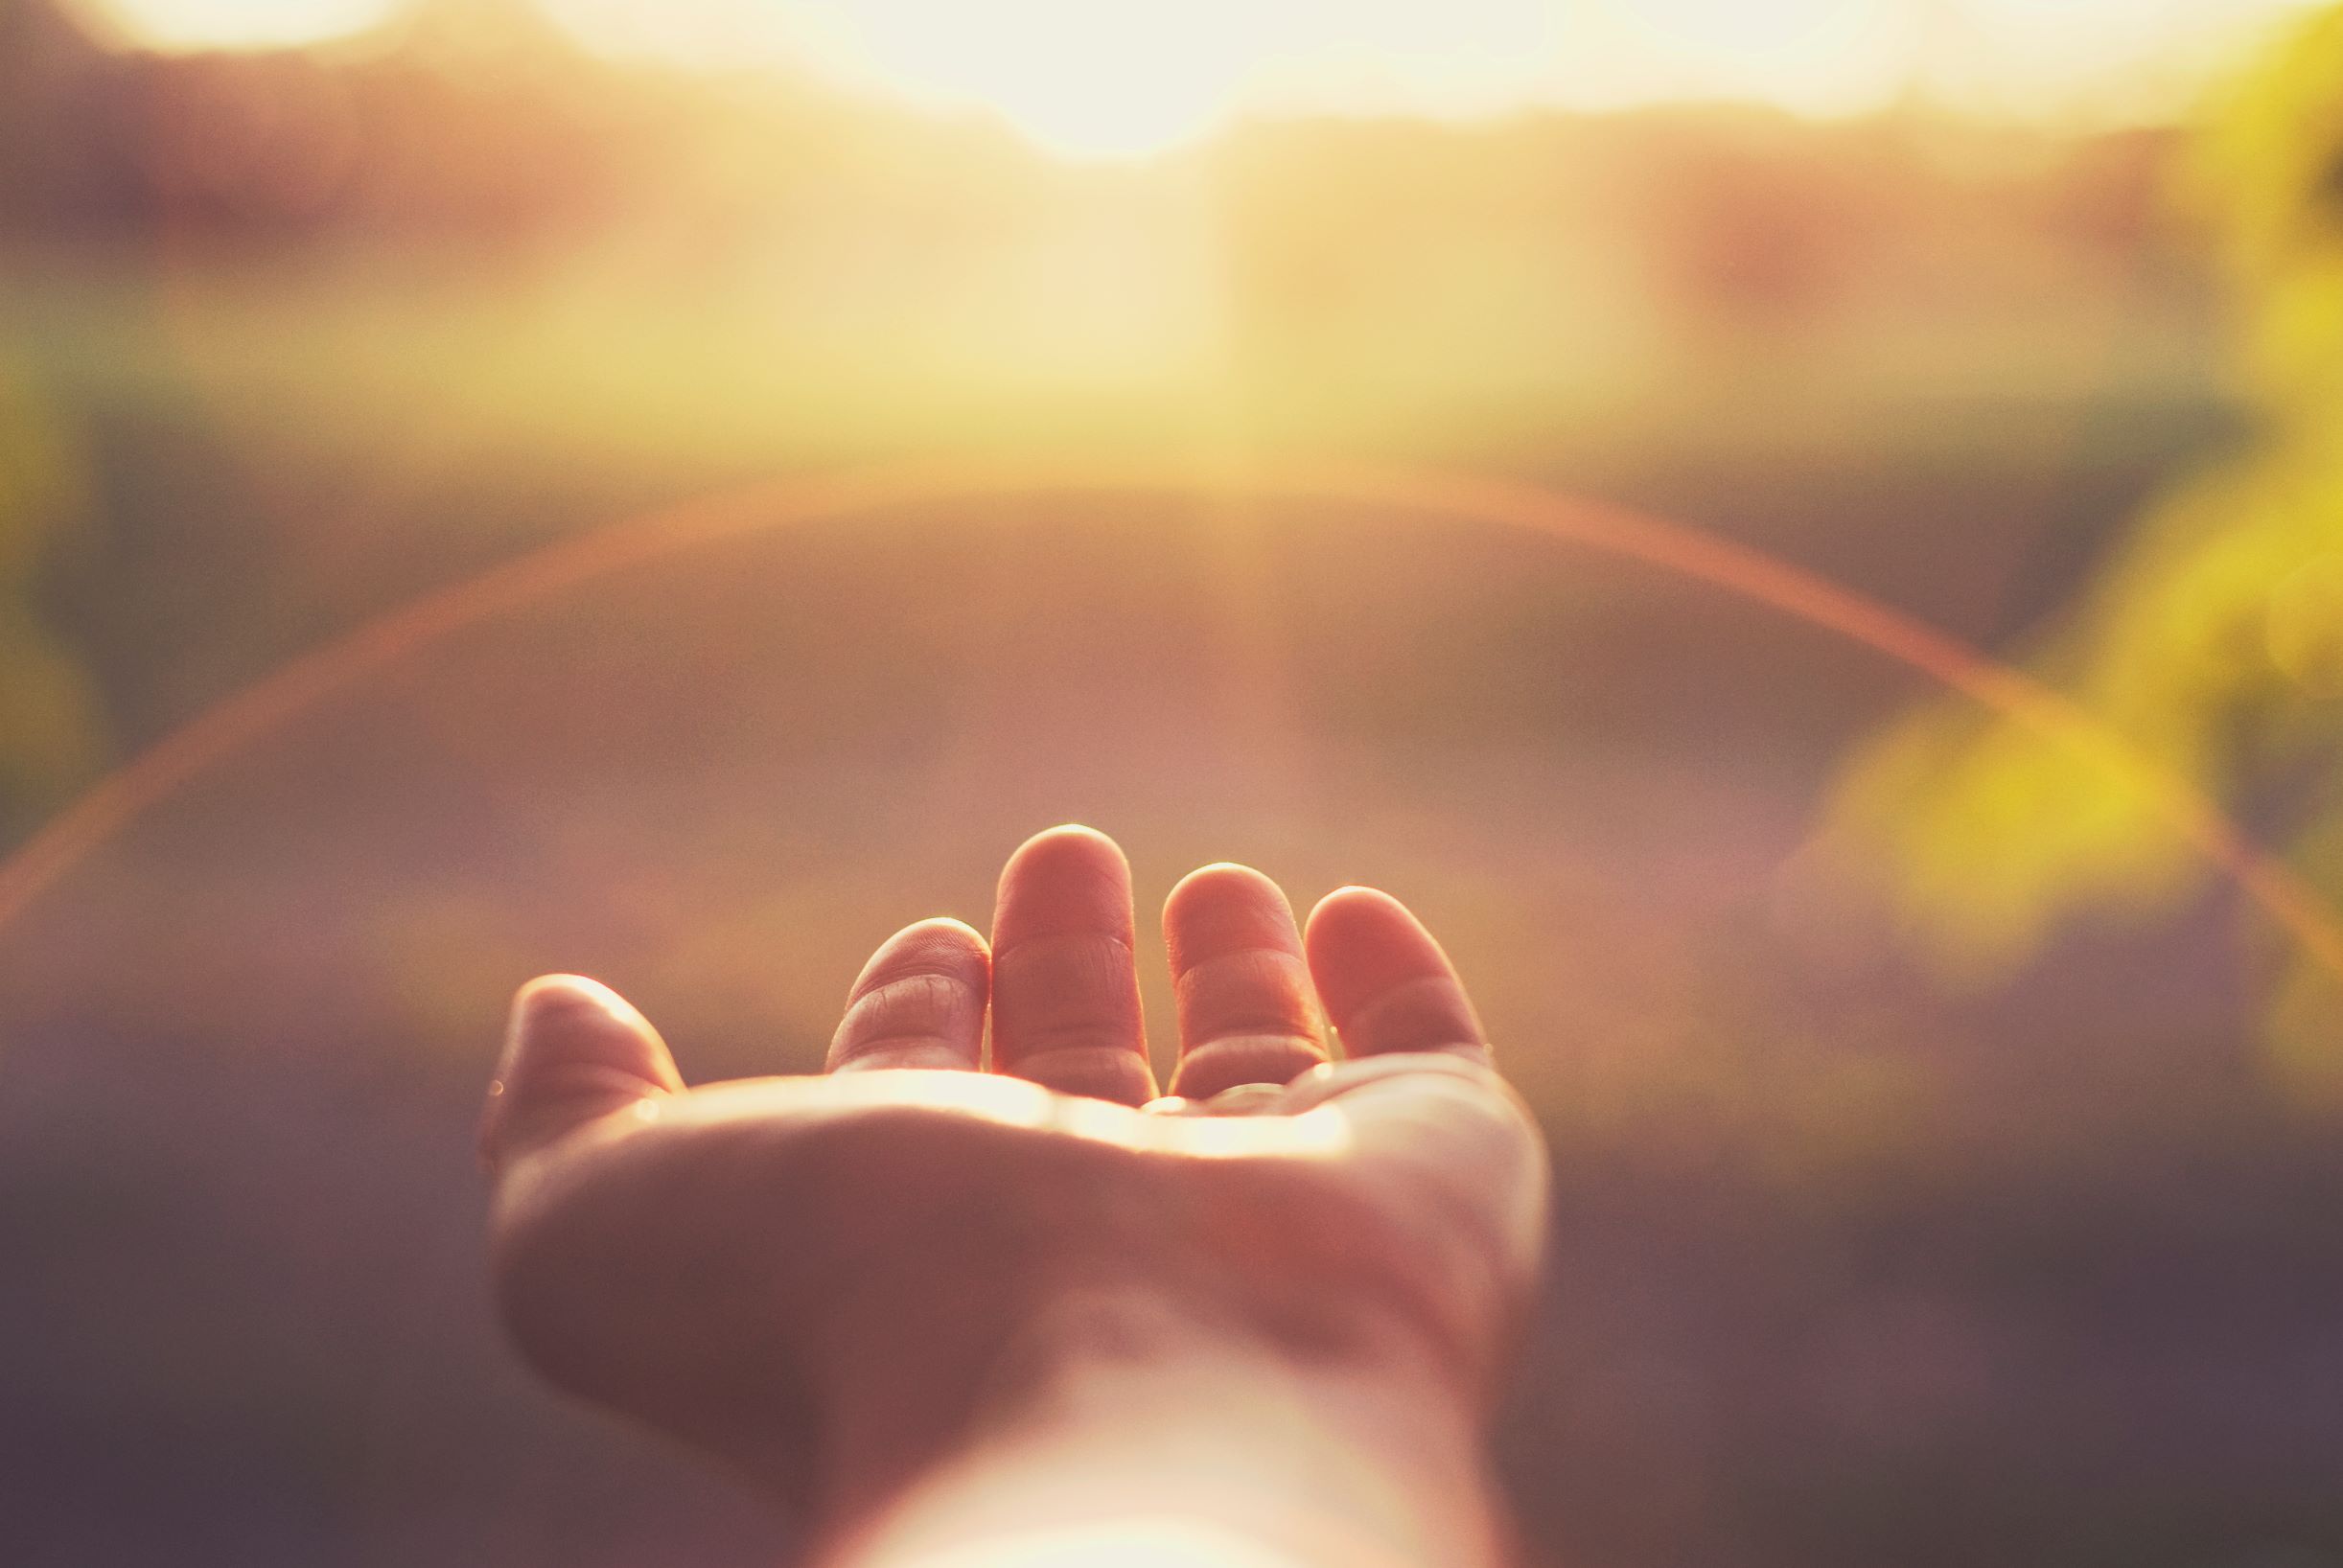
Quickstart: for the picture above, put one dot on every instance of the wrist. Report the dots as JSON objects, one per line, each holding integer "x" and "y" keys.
{"x": 1127, "y": 1418}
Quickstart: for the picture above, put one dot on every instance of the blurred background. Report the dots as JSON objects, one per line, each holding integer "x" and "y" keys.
{"x": 1948, "y": 1154}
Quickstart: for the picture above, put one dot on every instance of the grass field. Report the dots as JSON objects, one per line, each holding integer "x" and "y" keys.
{"x": 1854, "y": 1264}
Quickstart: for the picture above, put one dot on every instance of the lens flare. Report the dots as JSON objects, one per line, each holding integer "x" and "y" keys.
{"x": 336, "y": 670}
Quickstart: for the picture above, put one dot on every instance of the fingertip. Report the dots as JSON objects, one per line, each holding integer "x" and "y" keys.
{"x": 1349, "y": 894}
{"x": 942, "y": 946}
{"x": 574, "y": 1049}
{"x": 1386, "y": 983}
{"x": 919, "y": 1003}
{"x": 1355, "y": 936}
{"x": 1069, "y": 844}
{"x": 553, "y": 996}
{"x": 561, "y": 1014}
{"x": 1069, "y": 878}
{"x": 1225, "y": 907}
{"x": 1217, "y": 874}
{"x": 1352, "y": 908}
{"x": 1224, "y": 875}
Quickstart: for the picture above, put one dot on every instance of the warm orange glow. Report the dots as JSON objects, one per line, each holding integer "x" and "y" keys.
{"x": 1088, "y": 81}
{"x": 331, "y": 672}
{"x": 1091, "y": 82}
{"x": 241, "y": 24}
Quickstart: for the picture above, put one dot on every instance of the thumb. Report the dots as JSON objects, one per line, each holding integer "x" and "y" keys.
{"x": 575, "y": 1052}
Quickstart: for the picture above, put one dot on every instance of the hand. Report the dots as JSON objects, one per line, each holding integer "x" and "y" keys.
{"x": 838, "y": 1283}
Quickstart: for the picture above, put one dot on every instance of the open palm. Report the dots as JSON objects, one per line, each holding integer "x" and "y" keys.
{"x": 826, "y": 1280}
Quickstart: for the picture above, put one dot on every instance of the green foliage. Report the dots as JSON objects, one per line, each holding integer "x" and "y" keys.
{"x": 49, "y": 729}
{"x": 2212, "y": 644}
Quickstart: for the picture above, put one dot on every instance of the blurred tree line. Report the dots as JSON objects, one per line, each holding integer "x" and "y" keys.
{"x": 2211, "y": 641}
{"x": 415, "y": 212}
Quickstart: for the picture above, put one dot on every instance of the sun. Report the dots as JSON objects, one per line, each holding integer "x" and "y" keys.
{"x": 1093, "y": 81}
{"x": 1080, "y": 78}
{"x": 1101, "y": 117}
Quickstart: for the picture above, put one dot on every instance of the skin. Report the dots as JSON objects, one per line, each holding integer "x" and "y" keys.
{"x": 963, "y": 1312}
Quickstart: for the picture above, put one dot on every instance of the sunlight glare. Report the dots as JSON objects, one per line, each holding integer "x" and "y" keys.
{"x": 187, "y": 25}
{"x": 1099, "y": 82}
{"x": 1999, "y": 53}
{"x": 1091, "y": 81}
{"x": 1815, "y": 56}
{"x": 1075, "y": 78}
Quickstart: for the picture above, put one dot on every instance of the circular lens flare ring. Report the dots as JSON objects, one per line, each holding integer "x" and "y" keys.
{"x": 334, "y": 670}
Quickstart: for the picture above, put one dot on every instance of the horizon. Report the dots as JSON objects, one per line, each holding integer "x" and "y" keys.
{"x": 1166, "y": 76}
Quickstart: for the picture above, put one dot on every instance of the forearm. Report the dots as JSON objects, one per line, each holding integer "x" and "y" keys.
{"x": 1167, "y": 1445}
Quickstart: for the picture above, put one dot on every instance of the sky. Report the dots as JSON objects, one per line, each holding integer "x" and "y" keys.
{"x": 1087, "y": 79}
